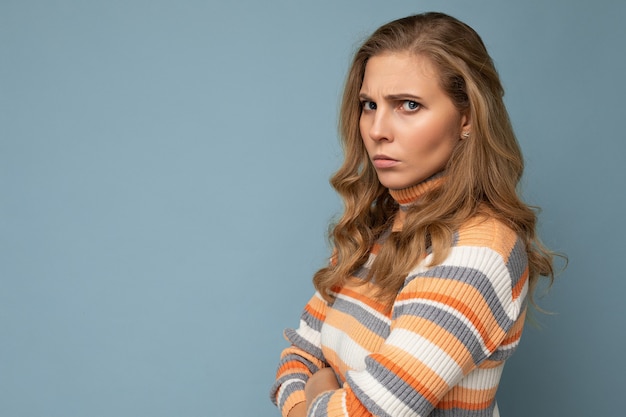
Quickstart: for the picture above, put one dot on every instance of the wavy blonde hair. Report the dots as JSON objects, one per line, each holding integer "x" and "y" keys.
{"x": 481, "y": 176}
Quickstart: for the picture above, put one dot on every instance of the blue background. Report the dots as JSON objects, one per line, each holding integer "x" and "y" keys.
{"x": 164, "y": 195}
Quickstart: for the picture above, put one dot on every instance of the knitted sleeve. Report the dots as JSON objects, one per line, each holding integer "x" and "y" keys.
{"x": 302, "y": 359}
{"x": 447, "y": 320}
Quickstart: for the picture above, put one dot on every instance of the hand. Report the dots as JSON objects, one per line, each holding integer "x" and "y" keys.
{"x": 299, "y": 410}
{"x": 322, "y": 380}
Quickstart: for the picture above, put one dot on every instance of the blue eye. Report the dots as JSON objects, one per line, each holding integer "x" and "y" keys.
{"x": 410, "y": 105}
{"x": 368, "y": 105}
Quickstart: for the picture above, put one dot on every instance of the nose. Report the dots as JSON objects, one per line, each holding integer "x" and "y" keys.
{"x": 380, "y": 127}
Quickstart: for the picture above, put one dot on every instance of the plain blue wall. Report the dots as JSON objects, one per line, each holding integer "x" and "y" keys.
{"x": 164, "y": 196}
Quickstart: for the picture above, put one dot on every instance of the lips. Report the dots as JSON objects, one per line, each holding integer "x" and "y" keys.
{"x": 384, "y": 161}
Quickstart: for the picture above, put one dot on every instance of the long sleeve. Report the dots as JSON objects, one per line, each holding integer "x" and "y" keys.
{"x": 302, "y": 359}
{"x": 452, "y": 327}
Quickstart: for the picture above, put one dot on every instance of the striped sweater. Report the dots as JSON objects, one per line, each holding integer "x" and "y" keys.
{"x": 441, "y": 348}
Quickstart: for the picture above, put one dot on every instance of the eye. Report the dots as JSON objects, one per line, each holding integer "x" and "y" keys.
{"x": 410, "y": 105}
{"x": 368, "y": 105}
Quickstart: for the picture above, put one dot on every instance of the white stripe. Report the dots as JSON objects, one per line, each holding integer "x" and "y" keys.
{"x": 309, "y": 334}
{"x": 524, "y": 291}
{"x": 422, "y": 266}
{"x": 318, "y": 400}
{"x": 428, "y": 353}
{"x": 349, "y": 351}
{"x": 283, "y": 387}
{"x": 454, "y": 312}
{"x": 365, "y": 307}
{"x": 380, "y": 395}
{"x": 480, "y": 379}
{"x": 487, "y": 261}
{"x": 344, "y": 405}
{"x": 490, "y": 263}
{"x": 319, "y": 297}
{"x": 314, "y": 408}
{"x": 509, "y": 346}
{"x": 370, "y": 260}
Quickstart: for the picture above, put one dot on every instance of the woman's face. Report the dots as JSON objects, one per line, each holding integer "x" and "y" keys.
{"x": 408, "y": 124}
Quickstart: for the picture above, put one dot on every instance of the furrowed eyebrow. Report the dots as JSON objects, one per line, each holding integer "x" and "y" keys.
{"x": 392, "y": 97}
{"x": 396, "y": 97}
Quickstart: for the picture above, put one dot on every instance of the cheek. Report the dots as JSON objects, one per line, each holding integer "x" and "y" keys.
{"x": 367, "y": 149}
{"x": 363, "y": 133}
{"x": 442, "y": 134}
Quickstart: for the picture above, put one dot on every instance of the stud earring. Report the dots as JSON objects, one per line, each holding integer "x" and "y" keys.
{"x": 465, "y": 135}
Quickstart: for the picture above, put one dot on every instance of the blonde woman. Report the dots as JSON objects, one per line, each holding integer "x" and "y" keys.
{"x": 435, "y": 256}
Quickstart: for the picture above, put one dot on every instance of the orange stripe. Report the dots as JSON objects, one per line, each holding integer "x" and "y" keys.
{"x": 357, "y": 331}
{"x": 488, "y": 232}
{"x": 354, "y": 406}
{"x": 479, "y": 313}
{"x": 464, "y": 405}
{"x": 294, "y": 398}
{"x": 363, "y": 292}
{"x": 440, "y": 337}
{"x": 409, "y": 195}
{"x": 517, "y": 289}
{"x": 474, "y": 396}
{"x": 316, "y": 308}
{"x": 335, "y": 362}
{"x": 489, "y": 364}
{"x": 398, "y": 221}
{"x": 515, "y": 332}
{"x": 294, "y": 367}
{"x": 426, "y": 387}
{"x": 414, "y": 369}
{"x": 468, "y": 399}
{"x": 474, "y": 318}
{"x": 296, "y": 351}
{"x": 375, "y": 248}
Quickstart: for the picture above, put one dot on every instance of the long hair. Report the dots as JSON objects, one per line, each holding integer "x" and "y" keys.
{"x": 481, "y": 175}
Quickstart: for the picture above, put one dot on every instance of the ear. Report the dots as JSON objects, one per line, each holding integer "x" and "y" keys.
{"x": 466, "y": 126}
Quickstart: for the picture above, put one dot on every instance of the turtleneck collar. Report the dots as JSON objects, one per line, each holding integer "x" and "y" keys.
{"x": 405, "y": 197}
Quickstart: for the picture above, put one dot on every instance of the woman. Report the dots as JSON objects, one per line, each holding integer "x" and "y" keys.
{"x": 435, "y": 256}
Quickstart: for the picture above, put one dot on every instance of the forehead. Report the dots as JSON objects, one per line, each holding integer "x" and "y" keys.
{"x": 399, "y": 71}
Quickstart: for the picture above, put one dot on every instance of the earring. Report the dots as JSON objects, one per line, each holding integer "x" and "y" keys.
{"x": 465, "y": 135}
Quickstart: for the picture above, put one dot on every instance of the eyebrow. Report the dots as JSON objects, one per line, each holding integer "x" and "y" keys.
{"x": 393, "y": 97}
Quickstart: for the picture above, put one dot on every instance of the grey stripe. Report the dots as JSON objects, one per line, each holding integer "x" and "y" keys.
{"x": 503, "y": 354}
{"x": 365, "y": 318}
{"x": 367, "y": 402}
{"x": 312, "y": 321}
{"x": 455, "y": 239}
{"x": 290, "y": 389}
{"x": 402, "y": 390}
{"x": 476, "y": 279}
{"x": 298, "y": 341}
{"x": 407, "y": 395}
{"x": 518, "y": 261}
{"x": 361, "y": 272}
{"x": 293, "y": 357}
{"x": 448, "y": 322}
{"x": 321, "y": 405}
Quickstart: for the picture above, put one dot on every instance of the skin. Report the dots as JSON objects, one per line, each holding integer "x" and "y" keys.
{"x": 409, "y": 125}
{"x": 321, "y": 381}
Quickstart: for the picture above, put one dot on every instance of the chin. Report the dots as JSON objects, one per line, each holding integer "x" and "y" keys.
{"x": 399, "y": 184}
